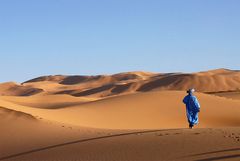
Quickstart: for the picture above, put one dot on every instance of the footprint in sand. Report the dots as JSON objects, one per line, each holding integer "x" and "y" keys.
{"x": 159, "y": 134}
{"x": 166, "y": 134}
{"x": 227, "y": 136}
{"x": 197, "y": 133}
{"x": 233, "y": 136}
{"x": 237, "y": 138}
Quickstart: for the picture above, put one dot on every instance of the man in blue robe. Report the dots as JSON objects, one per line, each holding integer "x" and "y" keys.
{"x": 192, "y": 107}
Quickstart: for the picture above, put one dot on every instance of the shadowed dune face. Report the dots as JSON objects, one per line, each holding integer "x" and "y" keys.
{"x": 102, "y": 86}
{"x": 210, "y": 81}
{"x": 55, "y": 78}
{"x": 171, "y": 82}
{"x": 14, "y": 89}
{"x": 103, "y": 91}
{"x": 104, "y": 79}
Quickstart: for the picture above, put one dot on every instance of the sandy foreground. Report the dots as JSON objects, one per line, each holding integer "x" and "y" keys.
{"x": 147, "y": 126}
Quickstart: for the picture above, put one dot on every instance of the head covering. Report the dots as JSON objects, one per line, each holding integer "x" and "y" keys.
{"x": 191, "y": 91}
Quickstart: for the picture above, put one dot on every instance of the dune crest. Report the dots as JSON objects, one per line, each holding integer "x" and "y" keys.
{"x": 13, "y": 115}
{"x": 102, "y": 86}
{"x": 14, "y": 89}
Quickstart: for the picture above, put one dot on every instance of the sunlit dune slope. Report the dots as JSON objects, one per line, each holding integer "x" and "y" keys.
{"x": 47, "y": 101}
{"x": 140, "y": 111}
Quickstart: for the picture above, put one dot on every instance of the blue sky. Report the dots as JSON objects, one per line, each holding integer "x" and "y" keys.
{"x": 44, "y": 37}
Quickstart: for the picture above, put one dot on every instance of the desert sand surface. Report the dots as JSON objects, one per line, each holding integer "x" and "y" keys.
{"x": 135, "y": 116}
{"x": 163, "y": 109}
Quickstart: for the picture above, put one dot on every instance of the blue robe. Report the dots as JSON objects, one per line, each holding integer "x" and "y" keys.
{"x": 192, "y": 107}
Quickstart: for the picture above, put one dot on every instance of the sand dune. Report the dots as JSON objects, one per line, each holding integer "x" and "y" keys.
{"x": 102, "y": 86}
{"x": 14, "y": 89}
{"x": 231, "y": 94}
{"x": 31, "y": 138}
{"x": 47, "y": 102}
{"x": 128, "y": 116}
{"x": 21, "y": 132}
{"x": 9, "y": 114}
{"x": 93, "y": 86}
{"x": 210, "y": 81}
{"x": 49, "y": 141}
{"x": 134, "y": 111}
{"x": 153, "y": 110}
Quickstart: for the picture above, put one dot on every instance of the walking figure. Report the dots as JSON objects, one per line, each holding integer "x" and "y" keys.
{"x": 192, "y": 108}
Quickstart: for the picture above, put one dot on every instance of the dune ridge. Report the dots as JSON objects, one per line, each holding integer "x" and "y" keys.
{"x": 10, "y": 114}
{"x": 14, "y": 89}
{"x": 101, "y": 86}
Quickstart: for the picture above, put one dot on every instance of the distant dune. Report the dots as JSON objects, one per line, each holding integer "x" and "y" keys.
{"x": 210, "y": 81}
{"x": 14, "y": 89}
{"x": 102, "y": 86}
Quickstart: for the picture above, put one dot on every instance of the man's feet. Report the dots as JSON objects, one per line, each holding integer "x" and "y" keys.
{"x": 190, "y": 126}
